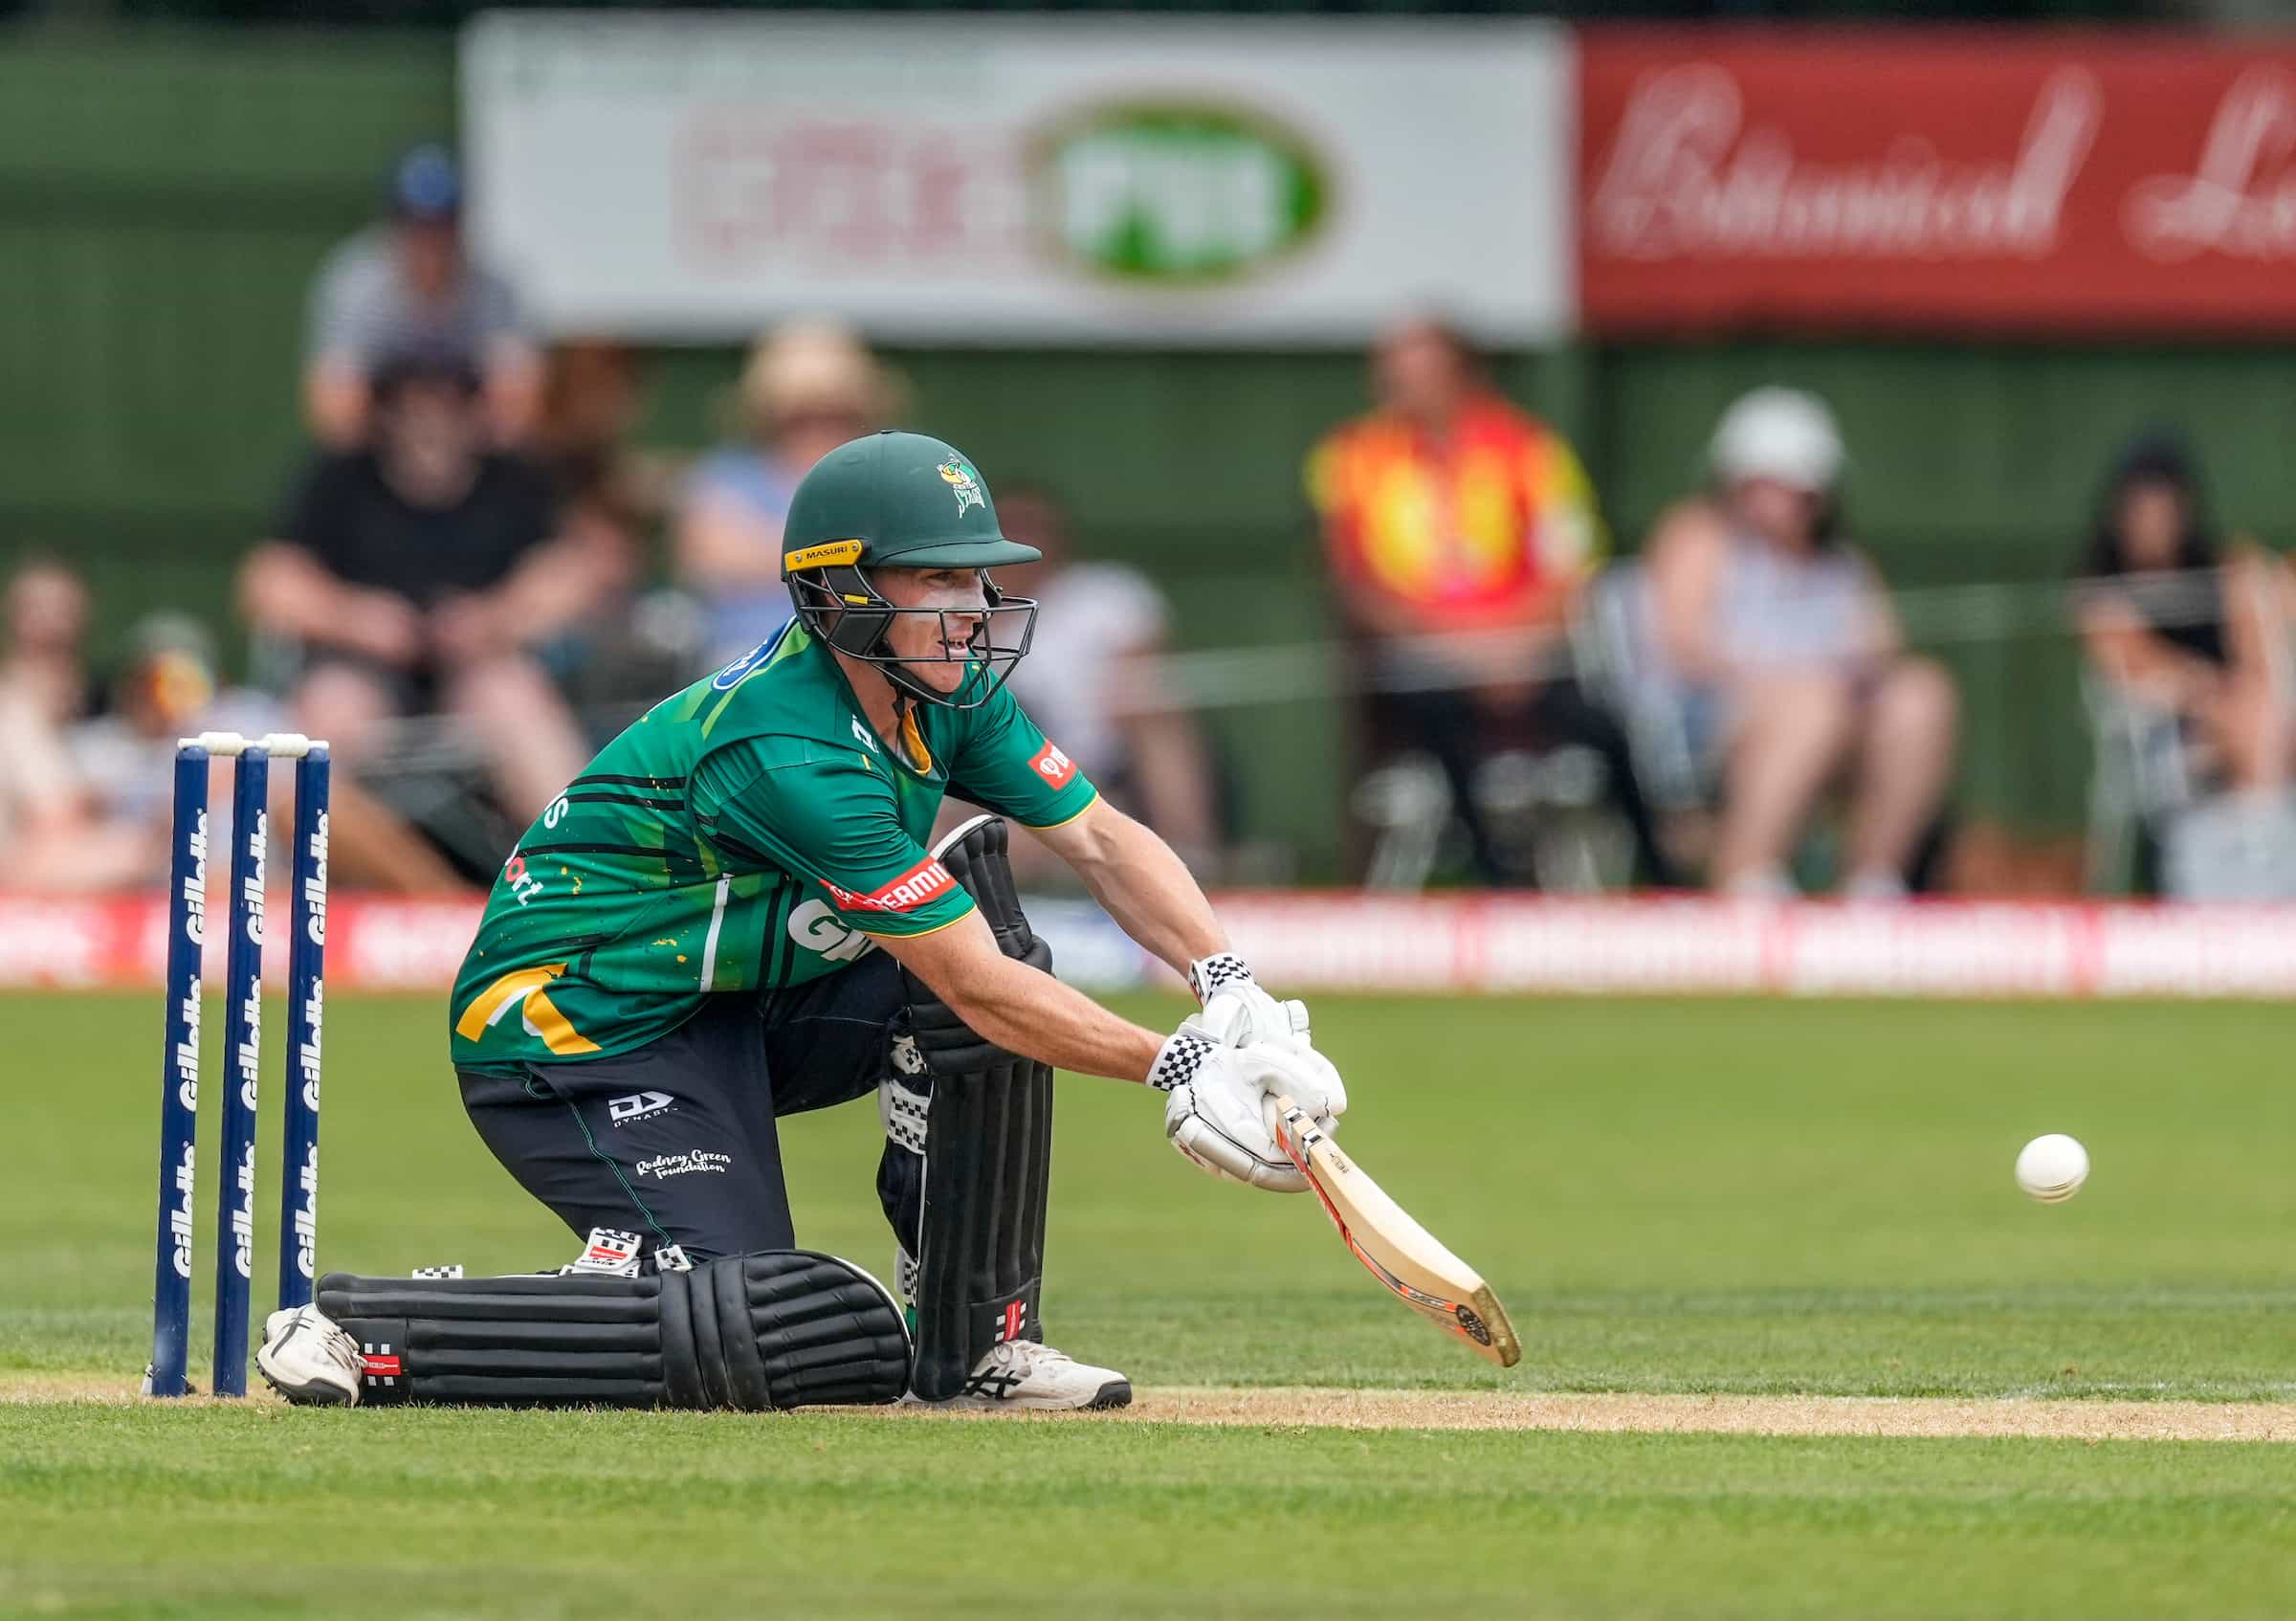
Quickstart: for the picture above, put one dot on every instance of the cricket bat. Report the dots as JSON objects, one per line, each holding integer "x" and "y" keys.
{"x": 1401, "y": 1254}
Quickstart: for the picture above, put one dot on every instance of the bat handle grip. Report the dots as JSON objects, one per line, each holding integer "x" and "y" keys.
{"x": 1284, "y": 1118}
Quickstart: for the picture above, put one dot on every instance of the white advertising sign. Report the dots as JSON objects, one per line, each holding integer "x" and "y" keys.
{"x": 952, "y": 179}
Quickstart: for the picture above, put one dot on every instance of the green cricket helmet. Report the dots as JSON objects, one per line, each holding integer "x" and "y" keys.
{"x": 901, "y": 501}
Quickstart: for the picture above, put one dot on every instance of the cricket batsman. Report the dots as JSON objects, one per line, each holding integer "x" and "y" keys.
{"x": 730, "y": 916}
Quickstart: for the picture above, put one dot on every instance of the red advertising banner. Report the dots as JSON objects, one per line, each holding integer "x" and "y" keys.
{"x": 2047, "y": 183}
{"x": 1437, "y": 944}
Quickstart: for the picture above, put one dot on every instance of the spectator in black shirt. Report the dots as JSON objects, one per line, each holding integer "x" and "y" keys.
{"x": 2180, "y": 622}
{"x": 417, "y": 574}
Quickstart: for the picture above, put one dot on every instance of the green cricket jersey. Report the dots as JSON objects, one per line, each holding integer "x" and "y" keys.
{"x": 749, "y": 832}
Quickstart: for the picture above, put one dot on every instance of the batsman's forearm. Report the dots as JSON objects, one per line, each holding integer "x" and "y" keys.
{"x": 1027, "y": 1012}
{"x": 1148, "y": 890}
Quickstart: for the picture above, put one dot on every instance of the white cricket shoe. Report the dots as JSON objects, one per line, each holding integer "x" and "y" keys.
{"x": 1021, "y": 1375}
{"x": 308, "y": 1360}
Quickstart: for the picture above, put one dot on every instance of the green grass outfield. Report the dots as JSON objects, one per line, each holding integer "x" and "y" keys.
{"x": 1671, "y": 1196}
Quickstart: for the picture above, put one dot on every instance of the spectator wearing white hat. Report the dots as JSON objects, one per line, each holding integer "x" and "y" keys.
{"x": 810, "y": 385}
{"x": 1793, "y": 664}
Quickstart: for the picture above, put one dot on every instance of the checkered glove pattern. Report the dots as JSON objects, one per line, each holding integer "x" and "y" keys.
{"x": 1215, "y": 1107}
{"x": 1208, "y": 975}
{"x": 1238, "y": 1011}
{"x": 1183, "y": 1056}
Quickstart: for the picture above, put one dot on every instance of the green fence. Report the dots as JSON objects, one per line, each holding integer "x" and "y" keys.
{"x": 163, "y": 199}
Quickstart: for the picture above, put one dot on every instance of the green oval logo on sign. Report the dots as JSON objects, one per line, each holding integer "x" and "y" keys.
{"x": 1162, "y": 192}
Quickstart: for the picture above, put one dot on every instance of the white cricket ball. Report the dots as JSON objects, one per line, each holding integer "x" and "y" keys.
{"x": 2052, "y": 1168}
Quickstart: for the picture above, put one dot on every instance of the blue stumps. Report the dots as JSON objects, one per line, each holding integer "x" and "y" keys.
{"x": 170, "y": 1373}
{"x": 189, "y": 933}
{"x": 306, "y": 994}
{"x": 243, "y": 1043}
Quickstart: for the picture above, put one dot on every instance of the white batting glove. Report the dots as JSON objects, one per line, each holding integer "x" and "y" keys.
{"x": 1216, "y": 1112}
{"x": 1235, "y": 1004}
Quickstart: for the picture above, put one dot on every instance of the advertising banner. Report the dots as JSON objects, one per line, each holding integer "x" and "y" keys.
{"x": 2037, "y": 182}
{"x": 1497, "y": 945}
{"x": 959, "y": 180}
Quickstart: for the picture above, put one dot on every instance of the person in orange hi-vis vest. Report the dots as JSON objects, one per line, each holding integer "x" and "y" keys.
{"x": 1458, "y": 529}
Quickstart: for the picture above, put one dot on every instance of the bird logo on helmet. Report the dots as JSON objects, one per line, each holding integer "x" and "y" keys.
{"x": 965, "y": 481}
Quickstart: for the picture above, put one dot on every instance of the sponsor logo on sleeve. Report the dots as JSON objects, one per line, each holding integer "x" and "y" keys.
{"x": 730, "y": 677}
{"x": 921, "y": 885}
{"x": 1054, "y": 766}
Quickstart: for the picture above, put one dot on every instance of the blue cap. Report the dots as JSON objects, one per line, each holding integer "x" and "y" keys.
{"x": 426, "y": 185}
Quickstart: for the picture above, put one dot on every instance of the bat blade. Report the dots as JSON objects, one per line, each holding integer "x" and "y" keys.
{"x": 1410, "y": 1263}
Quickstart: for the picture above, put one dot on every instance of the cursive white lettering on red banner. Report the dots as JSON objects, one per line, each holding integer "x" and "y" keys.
{"x": 2086, "y": 185}
{"x": 1686, "y": 176}
{"x": 2240, "y": 200}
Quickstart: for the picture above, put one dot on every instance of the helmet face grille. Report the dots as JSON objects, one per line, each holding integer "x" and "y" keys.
{"x": 841, "y": 607}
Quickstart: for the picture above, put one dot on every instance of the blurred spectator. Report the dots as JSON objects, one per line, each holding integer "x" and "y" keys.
{"x": 590, "y": 401}
{"x": 43, "y": 661}
{"x": 1458, "y": 530}
{"x": 592, "y": 395}
{"x": 1090, "y": 683}
{"x": 123, "y": 760}
{"x": 419, "y": 574}
{"x": 2185, "y": 625}
{"x": 123, "y": 767}
{"x": 1792, "y": 669}
{"x": 406, "y": 286}
{"x": 614, "y": 495}
{"x": 43, "y": 688}
{"x": 809, "y": 388}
